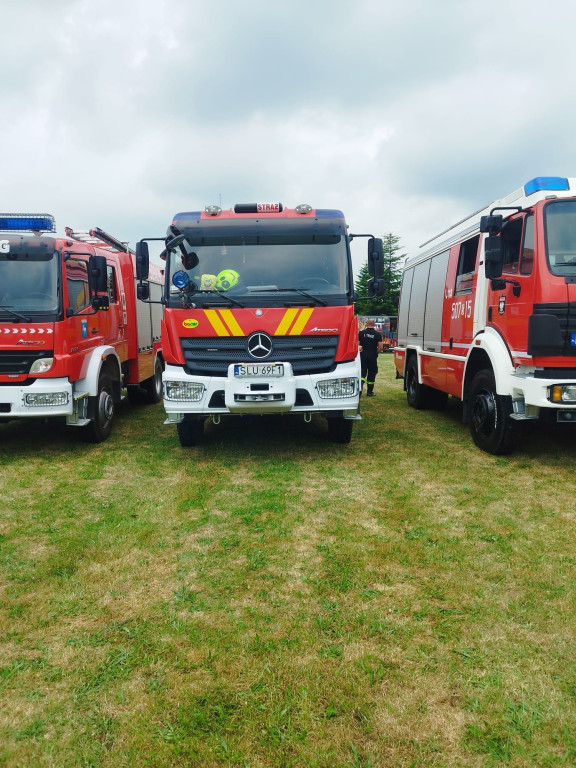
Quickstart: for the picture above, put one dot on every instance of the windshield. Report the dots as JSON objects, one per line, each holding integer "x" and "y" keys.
{"x": 560, "y": 227}
{"x": 268, "y": 269}
{"x": 28, "y": 284}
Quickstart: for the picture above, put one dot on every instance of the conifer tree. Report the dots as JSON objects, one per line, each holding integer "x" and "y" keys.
{"x": 388, "y": 303}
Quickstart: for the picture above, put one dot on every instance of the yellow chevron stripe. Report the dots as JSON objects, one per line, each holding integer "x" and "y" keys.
{"x": 286, "y": 322}
{"x": 298, "y": 326}
{"x": 231, "y": 322}
{"x": 216, "y": 323}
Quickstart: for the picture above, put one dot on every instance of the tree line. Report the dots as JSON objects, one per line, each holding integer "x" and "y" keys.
{"x": 388, "y": 303}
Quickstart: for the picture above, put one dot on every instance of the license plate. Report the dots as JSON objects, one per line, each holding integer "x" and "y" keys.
{"x": 259, "y": 369}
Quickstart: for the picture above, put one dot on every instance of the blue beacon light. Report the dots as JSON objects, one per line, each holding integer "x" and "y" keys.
{"x": 27, "y": 222}
{"x": 553, "y": 183}
{"x": 180, "y": 279}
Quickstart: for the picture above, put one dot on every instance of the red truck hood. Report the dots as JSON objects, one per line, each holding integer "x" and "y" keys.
{"x": 26, "y": 335}
{"x": 275, "y": 321}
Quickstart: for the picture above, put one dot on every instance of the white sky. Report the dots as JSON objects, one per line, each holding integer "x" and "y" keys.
{"x": 406, "y": 115}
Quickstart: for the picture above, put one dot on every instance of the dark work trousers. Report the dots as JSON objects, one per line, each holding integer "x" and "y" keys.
{"x": 369, "y": 366}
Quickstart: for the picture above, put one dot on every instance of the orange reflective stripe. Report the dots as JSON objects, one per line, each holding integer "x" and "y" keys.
{"x": 286, "y": 322}
{"x": 215, "y": 322}
{"x": 303, "y": 318}
{"x": 231, "y": 322}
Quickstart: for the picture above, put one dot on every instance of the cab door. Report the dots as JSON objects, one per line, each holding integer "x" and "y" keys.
{"x": 116, "y": 331}
{"x": 511, "y": 298}
{"x": 84, "y": 328}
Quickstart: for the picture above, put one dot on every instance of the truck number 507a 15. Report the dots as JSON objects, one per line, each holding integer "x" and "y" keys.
{"x": 461, "y": 309}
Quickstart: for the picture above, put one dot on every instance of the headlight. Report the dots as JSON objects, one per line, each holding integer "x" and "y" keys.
{"x": 563, "y": 393}
{"x": 43, "y": 365}
{"x": 334, "y": 389}
{"x": 46, "y": 398}
{"x": 183, "y": 390}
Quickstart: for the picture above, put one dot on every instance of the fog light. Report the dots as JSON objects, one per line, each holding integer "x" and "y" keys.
{"x": 183, "y": 390}
{"x": 46, "y": 398}
{"x": 42, "y": 365}
{"x": 334, "y": 389}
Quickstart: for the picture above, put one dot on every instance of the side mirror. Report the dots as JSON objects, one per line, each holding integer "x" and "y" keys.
{"x": 100, "y": 303}
{"x": 491, "y": 224}
{"x": 143, "y": 291}
{"x": 376, "y": 287}
{"x": 493, "y": 256}
{"x": 97, "y": 274}
{"x": 142, "y": 260}
{"x": 375, "y": 257}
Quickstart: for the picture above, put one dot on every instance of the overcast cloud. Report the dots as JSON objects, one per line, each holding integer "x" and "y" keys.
{"x": 406, "y": 115}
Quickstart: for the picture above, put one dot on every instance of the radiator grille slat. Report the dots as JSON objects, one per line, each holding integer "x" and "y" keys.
{"x": 16, "y": 361}
{"x": 212, "y": 356}
{"x": 566, "y": 314}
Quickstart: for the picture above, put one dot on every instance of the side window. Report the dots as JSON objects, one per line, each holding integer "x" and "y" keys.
{"x": 527, "y": 259}
{"x": 511, "y": 239}
{"x": 466, "y": 266}
{"x": 77, "y": 283}
{"x": 112, "y": 294}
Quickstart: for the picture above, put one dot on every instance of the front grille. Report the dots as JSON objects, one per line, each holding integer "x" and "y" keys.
{"x": 212, "y": 356}
{"x": 16, "y": 361}
{"x": 565, "y": 312}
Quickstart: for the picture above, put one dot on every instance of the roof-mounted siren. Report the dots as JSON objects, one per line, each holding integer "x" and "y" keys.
{"x": 27, "y": 222}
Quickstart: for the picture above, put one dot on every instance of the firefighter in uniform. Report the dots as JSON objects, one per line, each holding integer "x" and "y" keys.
{"x": 370, "y": 345}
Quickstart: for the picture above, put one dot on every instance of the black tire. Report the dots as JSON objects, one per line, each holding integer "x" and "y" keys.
{"x": 153, "y": 386}
{"x": 340, "y": 429}
{"x": 101, "y": 425}
{"x": 420, "y": 396}
{"x": 416, "y": 393}
{"x": 491, "y": 427}
{"x": 190, "y": 431}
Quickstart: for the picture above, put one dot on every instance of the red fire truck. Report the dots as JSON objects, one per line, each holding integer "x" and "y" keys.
{"x": 259, "y": 316}
{"x": 72, "y": 335}
{"x": 488, "y": 315}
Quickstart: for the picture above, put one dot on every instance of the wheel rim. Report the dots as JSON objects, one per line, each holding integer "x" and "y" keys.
{"x": 484, "y": 414}
{"x": 158, "y": 382}
{"x": 411, "y": 384}
{"x": 105, "y": 408}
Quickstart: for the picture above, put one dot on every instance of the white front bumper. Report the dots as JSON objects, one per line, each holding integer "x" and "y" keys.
{"x": 15, "y": 400}
{"x": 240, "y": 396}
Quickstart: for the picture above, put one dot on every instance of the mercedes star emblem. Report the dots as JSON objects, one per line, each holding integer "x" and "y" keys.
{"x": 259, "y": 345}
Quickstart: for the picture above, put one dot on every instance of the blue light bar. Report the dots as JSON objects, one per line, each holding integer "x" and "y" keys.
{"x": 328, "y": 213}
{"x": 556, "y": 183}
{"x": 27, "y": 222}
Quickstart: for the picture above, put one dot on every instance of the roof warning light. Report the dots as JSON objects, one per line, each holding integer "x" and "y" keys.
{"x": 27, "y": 222}
{"x": 555, "y": 183}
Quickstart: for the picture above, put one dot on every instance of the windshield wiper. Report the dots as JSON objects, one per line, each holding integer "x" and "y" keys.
{"x": 301, "y": 291}
{"x": 16, "y": 314}
{"x": 235, "y": 302}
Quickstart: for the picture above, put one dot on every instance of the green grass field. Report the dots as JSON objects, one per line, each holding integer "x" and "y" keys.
{"x": 274, "y": 599}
